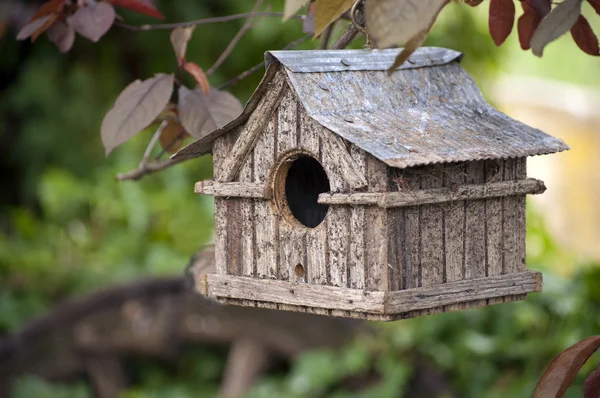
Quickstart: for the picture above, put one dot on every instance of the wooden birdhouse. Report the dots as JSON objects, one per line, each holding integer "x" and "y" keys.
{"x": 343, "y": 191}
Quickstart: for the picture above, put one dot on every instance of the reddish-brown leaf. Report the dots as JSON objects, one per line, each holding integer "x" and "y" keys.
{"x": 542, "y": 7}
{"x": 62, "y": 35}
{"x": 591, "y": 387}
{"x": 199, "y": 75}
{"x": 93, "y": 21}
{"x": 562, "y": 370}
{"x": 502, "y": 19}
{"x": 49, "y": 7}
{"x": 473, "y": 3}
{"x": 172, "y": 136}
{"x": 141, "y": 6}
{"x": 528, "y": 23}
{"x": 585, "y": 37}
{"x": 596, "y": 5}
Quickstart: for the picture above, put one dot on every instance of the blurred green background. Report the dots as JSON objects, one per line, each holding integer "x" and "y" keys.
{"x": 68, "y": 227}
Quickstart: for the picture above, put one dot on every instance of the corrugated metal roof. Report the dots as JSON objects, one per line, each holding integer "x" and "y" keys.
{"x": 420, "y": 115}
{"x": 354, "y": 60}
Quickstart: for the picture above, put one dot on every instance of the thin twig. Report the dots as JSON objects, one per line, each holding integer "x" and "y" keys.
{"x": 152, "y": 143}
{"x": 204, "y": 21}
{"x": 326, "y": 36}
{"x": 349, "y": 34}
{"x": 179, "y": 136}
{"x": 247, "y": 25}
{"x": 150, "y": 168}
{"x": 257, "y": 67}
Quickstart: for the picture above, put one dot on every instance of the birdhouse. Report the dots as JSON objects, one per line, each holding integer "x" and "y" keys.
{"x": 343, "y": 191}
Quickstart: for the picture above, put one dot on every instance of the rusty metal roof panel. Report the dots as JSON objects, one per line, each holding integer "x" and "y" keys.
{"x": 356, "y": 60}
{"x": 419, "y": 115}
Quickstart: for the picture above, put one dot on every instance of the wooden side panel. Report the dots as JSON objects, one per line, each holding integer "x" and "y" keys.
{"x": 246, "y": 225}
{"x": 221, "y": 149}
{"x": 454, "y": 231}
{"x": 375, "y": 229}
{"x": 356, "y": 247}
{"x": 475, "y": 233}
{"x": 233, "y": 248}
{"x": 493, "y": 219}
{"x": 265, "y": 221}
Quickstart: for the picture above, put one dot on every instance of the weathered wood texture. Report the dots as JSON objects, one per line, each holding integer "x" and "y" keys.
{"x": 305, "y": 297}
{"x": 434, "y": 196}
{"x": 245, "y": 189}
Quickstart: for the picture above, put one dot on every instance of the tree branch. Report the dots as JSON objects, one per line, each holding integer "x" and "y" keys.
{"x": 346, "y": 37}
{"x": 150, "y": 168}
{"x": 247, "y": 25}
{"x": 152, "y": 143}
{"x": 204, "y": 21}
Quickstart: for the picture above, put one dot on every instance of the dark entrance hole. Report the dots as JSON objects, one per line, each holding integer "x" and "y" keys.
{"x": 305, "y": 180}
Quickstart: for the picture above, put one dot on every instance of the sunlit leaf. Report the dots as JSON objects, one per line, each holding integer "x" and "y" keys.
{"x": 411, "y": 46}
{"x": 93, "y": 21}
{"x": 292, "y": 6}
{"x": 141, "y": 6}
{"x": 135, "y": 108}
{"x": 180, "y": 37}
{"x": 562, "y": 370}
{"x": 585, "y": 37}
{"x": 502, "y": 19}
{"x": 528, "y": 23}
{"x": 199, "y": 75}
{"x": 49, "y": 7}
{"x": 328, "y": 11}
{"x": 397, "y": 21}
{"x": 172, "y": 136}
{"x": 560, "y": 20}
{"x": 591, "y": 386}
{"x": 201, "y": 114}
{"x": 62, "y": 35}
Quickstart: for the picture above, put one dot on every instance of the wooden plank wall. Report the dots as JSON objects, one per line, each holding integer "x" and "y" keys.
{"x": 429, "y": 245}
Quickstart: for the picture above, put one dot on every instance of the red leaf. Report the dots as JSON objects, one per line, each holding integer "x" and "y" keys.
{"x": 584, "y": 36}
{"x": 559, "y": 375}
{"x": 172, "y": 136}
{"x": 141, "y": 6}
{"x": 49, "y": 7}
{"x": 596, "y": 5}
{"x": 591, "y": 387}
{"x": 36, "y": 27}
{"x": 542, "y": 7}
{"x": 199, "y": 75}
{"x": 502, "y": 19}
{"x": 528, "y": 23}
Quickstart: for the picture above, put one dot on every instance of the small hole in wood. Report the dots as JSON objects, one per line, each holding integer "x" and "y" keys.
{"x": 299, "y": 271}
{"x": 305, "y": 179}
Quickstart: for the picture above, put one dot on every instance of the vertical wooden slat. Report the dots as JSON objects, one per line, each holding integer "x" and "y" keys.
{"x": 234, "y": 236}
{"x": 475, "y": 232}
{"x": 247, "y": 221}
{"x": 375, "y": 229}
{"x": 264, "y": 158}
{"x": 316, "y": 267}
{"x": 395, "y": 242}
{"x": 356, "y": 255}
{"x": 514, "y": 222}
{"x": 432, "y": 234}
{"x": 411, "y": 180}
{"x": 337, "y": 244}
{"x": 493, "y": 219}
{"x": 454, "y": 231}
{"x": 221, "y": 149}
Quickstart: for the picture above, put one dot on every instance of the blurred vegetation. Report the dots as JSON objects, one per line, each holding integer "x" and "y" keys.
{"x": 68, "y": 227}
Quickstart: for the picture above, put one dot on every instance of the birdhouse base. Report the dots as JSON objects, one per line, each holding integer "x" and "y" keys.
{"x": 364, "y": 304}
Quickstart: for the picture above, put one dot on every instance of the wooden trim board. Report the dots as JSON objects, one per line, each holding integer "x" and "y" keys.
{"x": 232, "y": 189}
{"x": 383, "y": 303}
{"x": 436, "y": 195}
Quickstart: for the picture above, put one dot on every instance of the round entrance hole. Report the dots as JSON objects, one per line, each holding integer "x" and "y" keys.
{"x": 304, "y": 181}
